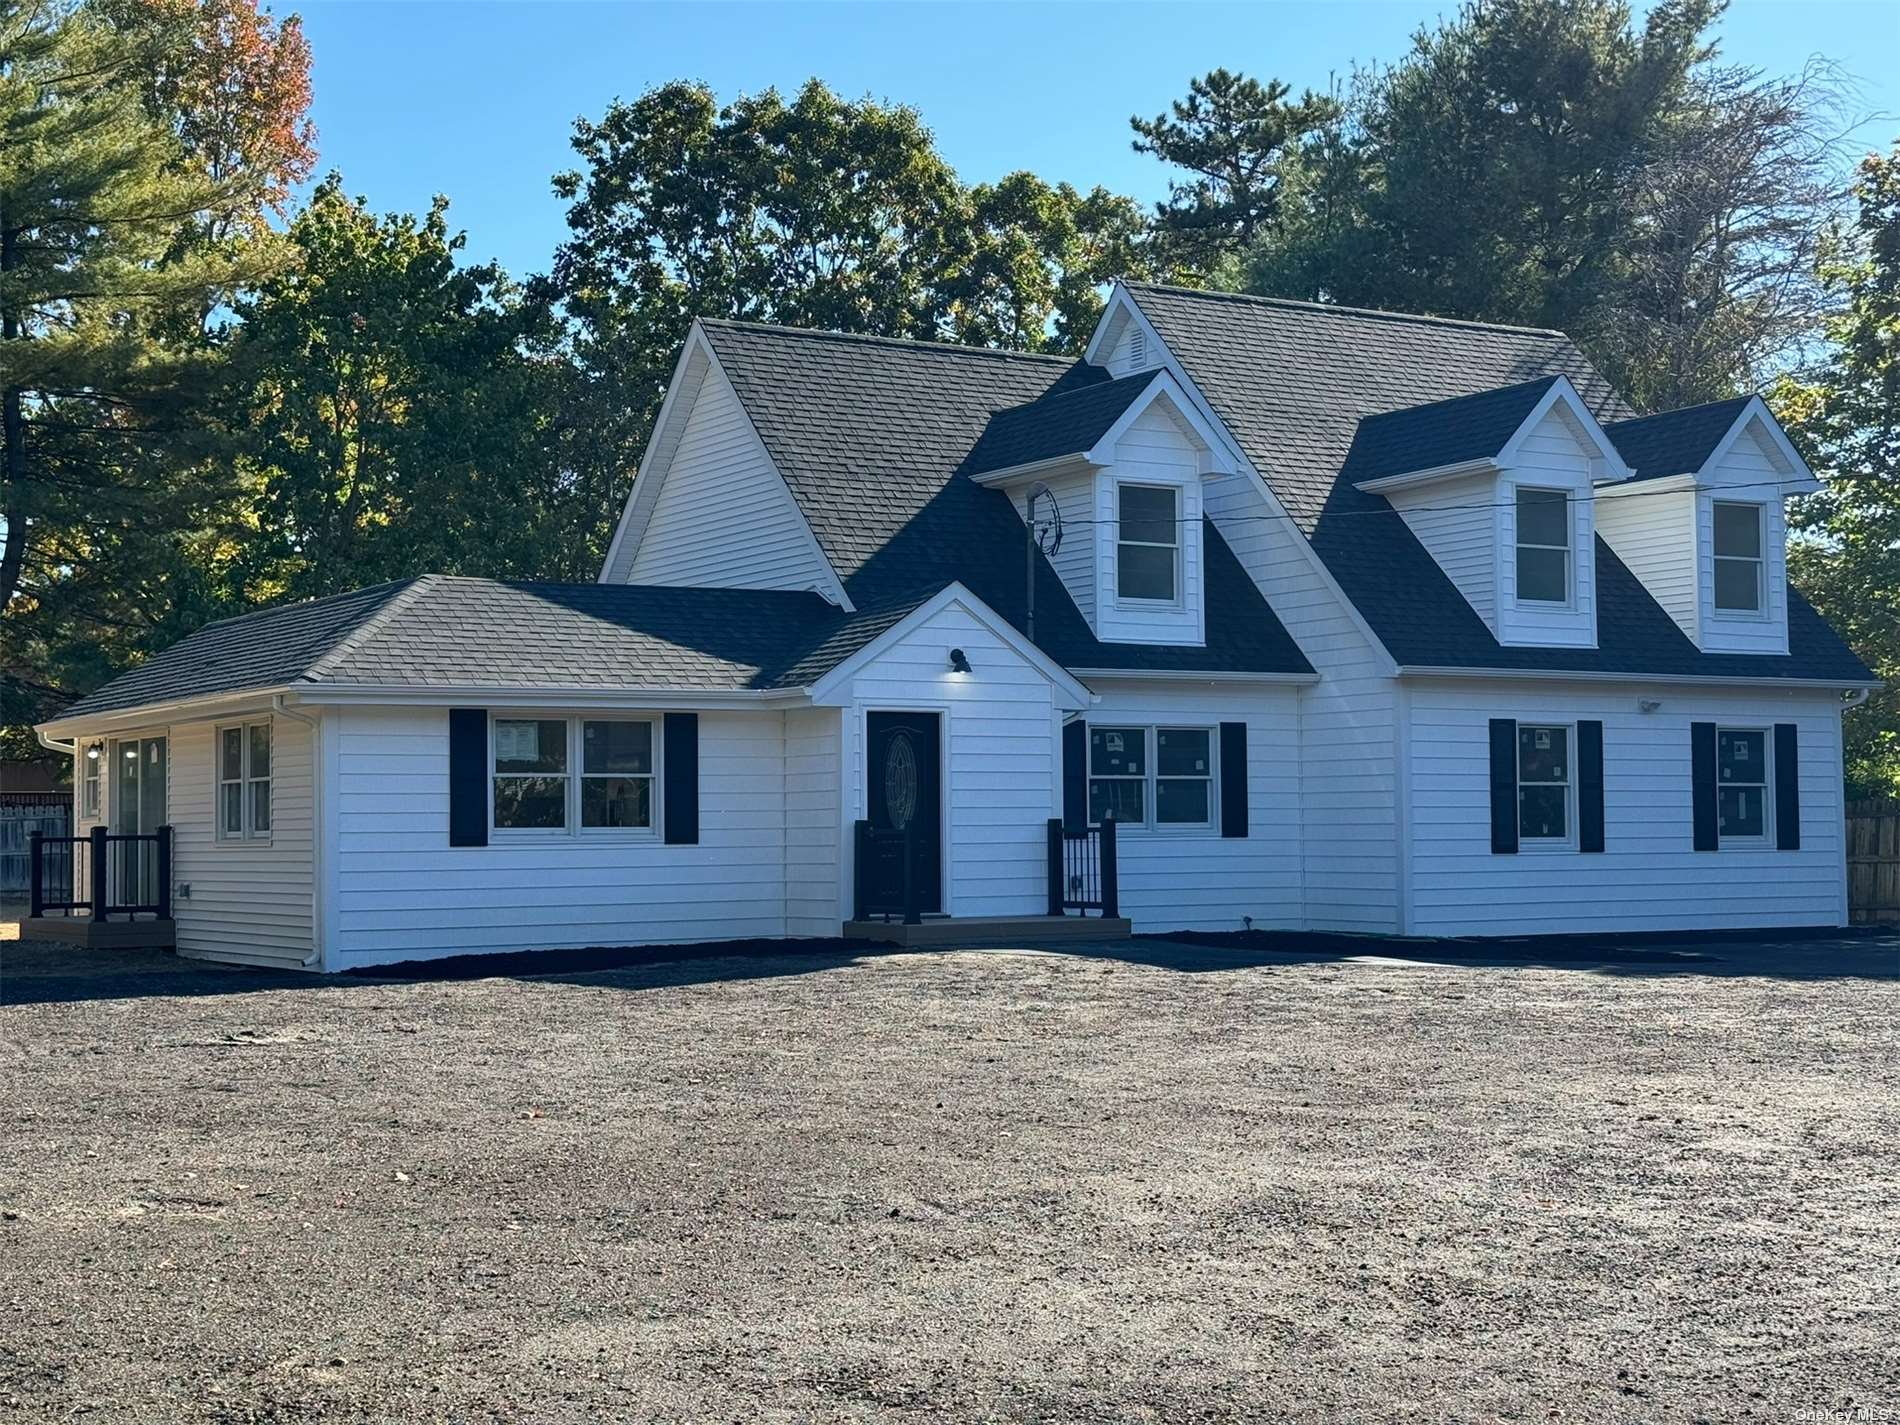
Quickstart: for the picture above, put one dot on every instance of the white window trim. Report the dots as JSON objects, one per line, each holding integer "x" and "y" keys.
{"x": 249, "y": 836}
{"x": 1758, "y": 614}
{"x": 571, "y": 829}
{"x": 1568, "y": 841}
{"x": 1150, "y": 749}
{"x": 1766, "y": 841}
{"x": 1133, "y": 601}
{"x": 1519, "y": 543}
{"x": 92, "y": 777}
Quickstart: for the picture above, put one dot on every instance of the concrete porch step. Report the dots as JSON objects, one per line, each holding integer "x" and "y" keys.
{"x": 101, "y": 934}
{"x": 949, "y": 932}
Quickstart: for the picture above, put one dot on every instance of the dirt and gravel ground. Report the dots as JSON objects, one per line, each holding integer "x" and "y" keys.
{"x": 1184, "y": 1185}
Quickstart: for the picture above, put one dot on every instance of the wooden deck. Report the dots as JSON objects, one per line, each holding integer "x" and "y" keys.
{"x": 102, "y": 934}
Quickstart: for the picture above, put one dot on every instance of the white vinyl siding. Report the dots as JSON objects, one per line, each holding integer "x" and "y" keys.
{"x": 1156, "y": 451}
{"x": 813, "y": 846}
{"x": 402, "y": 892}
{"x": 1176, "y": 878}
{"x": 1347, "y": 722}
{"x": 250, "y": 900}
{"x": 1654, "y": 533}
{"x": 1649, "y": 876}
{"x": 1002, "y": 771}
{"x": 1457, "y": 522}
{"x": 721, "y": 515}
{"x": 1557, "y": 455}
{"x": 1074, "y": 560}
{"x": 1749, "y": 472}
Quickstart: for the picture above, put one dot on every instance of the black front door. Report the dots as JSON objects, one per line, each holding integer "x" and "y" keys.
{"x": 904, "y": 776}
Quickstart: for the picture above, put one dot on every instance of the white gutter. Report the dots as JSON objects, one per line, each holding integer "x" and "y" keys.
{"x": 1189, "y": 675}
{"x": 1483, "y": 465}
{"x": 53, "y": 744}
{"x": 279, "y": 706}
{"x": 1077, "y": 461}
{"x": 1857, "y": 697}
{"x": 1580, "y": 676}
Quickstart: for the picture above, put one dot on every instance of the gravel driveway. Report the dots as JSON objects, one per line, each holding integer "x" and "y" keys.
{"x": 1183, "y": 1184}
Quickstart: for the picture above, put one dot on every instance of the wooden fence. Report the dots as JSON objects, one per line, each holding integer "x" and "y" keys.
{"x": 1873, "y": 862}
{"x": 22, "y": 814}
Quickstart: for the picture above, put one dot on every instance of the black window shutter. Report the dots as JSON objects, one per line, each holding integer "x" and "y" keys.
{"x": 1589, "y": 786}
{"x": 679, "y": 798}
{"x": 1075, "y": 775}
{"x": 468, "y": 776}
{"x": 1787, "y": 787}
{"x": 1702, "y": 770}
{"x": 1503, "y": 786}
{"x": 1233, "y": 779}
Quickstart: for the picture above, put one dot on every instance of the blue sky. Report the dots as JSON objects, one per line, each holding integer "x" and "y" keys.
{"x": 476, "y": 100}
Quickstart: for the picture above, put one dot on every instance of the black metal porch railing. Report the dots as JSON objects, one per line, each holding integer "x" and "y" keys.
{"x": 885, "y": 874}
{"x": 1082, "y": 871}
{"x": 104, "y": 874}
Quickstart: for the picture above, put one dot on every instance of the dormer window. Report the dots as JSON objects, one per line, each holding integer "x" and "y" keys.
{"x": 1739, "y": 582}
{"x": 1543, "y": 546}
{"x": 1148, "y": 546}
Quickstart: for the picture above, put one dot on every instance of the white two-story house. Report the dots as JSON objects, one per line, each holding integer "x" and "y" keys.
{"x": 1342, "y": 620}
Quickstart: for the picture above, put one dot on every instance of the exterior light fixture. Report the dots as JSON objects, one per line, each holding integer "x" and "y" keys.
{"x": 1648, "y": 705}
{"x": 958, "y": 662}
{"x": 92, "y": 753}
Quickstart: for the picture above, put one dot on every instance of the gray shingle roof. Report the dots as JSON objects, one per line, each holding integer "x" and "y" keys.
{"x": 1067, "y": 423}
{"x": 1443, "y": 432}
{"x": 443, "y": 632}
{"x": 871, "y": 434}
{"x": 1675, "y": 442}
{"x": 1293, "y": 381}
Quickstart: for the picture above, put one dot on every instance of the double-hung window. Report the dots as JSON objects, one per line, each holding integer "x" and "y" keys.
{"x": 1739, "y": 571}
{"x": 1741, "y": 782}
{"x": 244, "y": 782}
{"x": 1543, "y": 546}
{"x": 1544, "y": 783}
{"x": 1152, "y": 776}
{"x": 555, "y": 774}
{"x": 1148, "y": 542}
{"x": 91, "y": 779}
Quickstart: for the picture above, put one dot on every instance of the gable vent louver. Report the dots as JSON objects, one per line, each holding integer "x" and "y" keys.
{"x": 1137, "y": 351}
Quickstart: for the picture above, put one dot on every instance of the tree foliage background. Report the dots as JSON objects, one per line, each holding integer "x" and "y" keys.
{"x": 223, "y": 387}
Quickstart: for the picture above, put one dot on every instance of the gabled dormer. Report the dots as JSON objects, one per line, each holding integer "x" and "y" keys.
{"x": 1497, "y": 486}
{"x": 1122, "y": 460}
{"x": 1701, "y": 519}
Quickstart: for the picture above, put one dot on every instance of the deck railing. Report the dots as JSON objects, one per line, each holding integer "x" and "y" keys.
{"x": 885, "y": 873}
{"x": 1083, "y": 876}
{"x": 103, "y": 874}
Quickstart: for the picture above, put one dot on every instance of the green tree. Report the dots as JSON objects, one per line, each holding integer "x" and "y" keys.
{"x": 1243, "y": 144}
{"x": 817, "y": 212}
{"x": 392, "y": 416}
{"x": 1845, "y": 415}
{"x": 104, "y": 362}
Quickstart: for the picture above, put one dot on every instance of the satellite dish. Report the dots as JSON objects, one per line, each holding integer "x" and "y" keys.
{"x": 1045, "y": 530}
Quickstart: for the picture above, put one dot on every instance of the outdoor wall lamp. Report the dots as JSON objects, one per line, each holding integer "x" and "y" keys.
{"x": 92, "y": 753}
{"x": 958, "y": 663}
{"x": 1648, "y": 705}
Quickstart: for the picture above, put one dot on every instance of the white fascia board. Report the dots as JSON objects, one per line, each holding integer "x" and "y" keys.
{"x": 1614, "y": 466}
{"x": 396, "y": 694}
{"x": 1801, "y": 480}
{"x": 1159, "y": 675}
{"x": 1534, "y": 675}
{"x": 1117, "y": 312}
{"x": 1654, "y": 485}
{"x": 1386, "y": 484}
{"x": 1162, "y": 385}
{"x": 1242, "y": 465}
{"x": 675, "y": 407}
{"x": 196, "y": 709}
{"x": 1016, "y": 474}
{"x": 1072, "y": 693}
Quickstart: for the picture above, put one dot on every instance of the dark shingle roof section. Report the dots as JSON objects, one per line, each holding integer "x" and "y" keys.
{"x": 1067, "y": 423}
{"x": 872, "y": 434}
{"x": 442, "y": 632}
{"x": 1293, "y": 381}
{"x": 1443, "y": 432}
{"x": 1675, "y": 442}
{"x": 260, "y": 650}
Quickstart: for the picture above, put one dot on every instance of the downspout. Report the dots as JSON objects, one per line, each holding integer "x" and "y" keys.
{"x": 71, "y": 749}
{"x": 279, "y": 706}
{"x": 1853, "y": 699}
